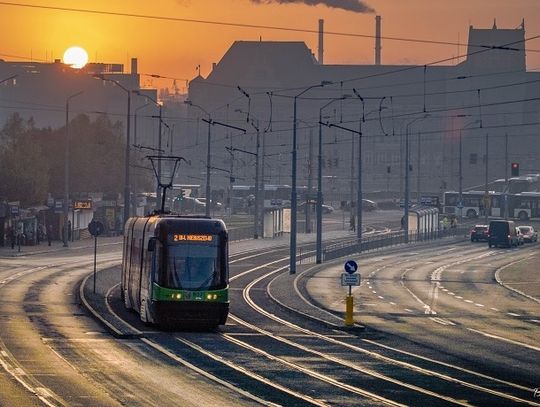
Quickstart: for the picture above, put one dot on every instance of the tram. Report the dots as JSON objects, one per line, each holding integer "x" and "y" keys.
{"x": 175, "y": 270}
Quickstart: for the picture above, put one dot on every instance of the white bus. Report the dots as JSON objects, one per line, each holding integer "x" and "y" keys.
{"x": 474, "y": 203}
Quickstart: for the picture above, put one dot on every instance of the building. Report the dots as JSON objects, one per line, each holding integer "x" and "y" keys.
{"x": 485, "y": 99}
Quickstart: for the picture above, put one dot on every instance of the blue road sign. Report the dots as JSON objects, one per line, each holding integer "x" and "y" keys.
{"x": 350, "y": 266}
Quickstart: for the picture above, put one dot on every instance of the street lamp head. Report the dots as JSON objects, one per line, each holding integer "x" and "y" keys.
{"x": 243, "y": 92}
{"x": 358, "y": 94}
{"x": 325, "y": 83}
{"x": 188, "y": 102}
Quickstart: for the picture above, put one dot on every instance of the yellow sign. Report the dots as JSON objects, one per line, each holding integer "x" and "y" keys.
{"x": 192, "y": 238}
{"x": 82, "y": 204}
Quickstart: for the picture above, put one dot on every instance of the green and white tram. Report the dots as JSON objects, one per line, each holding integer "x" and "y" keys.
{"x": 175, "y": 270}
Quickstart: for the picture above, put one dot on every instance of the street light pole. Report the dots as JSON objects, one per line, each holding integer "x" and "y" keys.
{"x": 406, "y": 206}
{"x": 319, "y": 184}
{"x": 294, "y": 206}
{"x": 461, "y": 169}
{"x": 66, "y": 171}
{"x": 486, "y": 193}
{"x": 208, "y": 155}
{"x": 359, "y": 191}
{"x": 127, "y": 187}
{"x": 159, "y": 150}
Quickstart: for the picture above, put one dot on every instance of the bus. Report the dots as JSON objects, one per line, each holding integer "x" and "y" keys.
{"x": 175, "y": 270}
{"x": 524, "y": 206}
{"x": 474, "y": 203}
{"x": 527, "y": 183}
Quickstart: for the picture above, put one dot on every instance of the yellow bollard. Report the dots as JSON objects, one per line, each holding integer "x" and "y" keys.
{"x": 349, "y": 321}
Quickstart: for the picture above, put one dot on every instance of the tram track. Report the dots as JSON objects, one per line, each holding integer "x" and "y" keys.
{"x": 278, "y": 266}
{"x": 385, "y": 359}
{"x": 451, "y": 380}
{"x": 271, "y": 355}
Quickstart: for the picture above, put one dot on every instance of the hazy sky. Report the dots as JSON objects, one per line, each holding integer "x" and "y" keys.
{"x": 176, "y": 48}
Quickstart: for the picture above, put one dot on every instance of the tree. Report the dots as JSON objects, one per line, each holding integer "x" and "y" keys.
{"x": 23, "y": 167}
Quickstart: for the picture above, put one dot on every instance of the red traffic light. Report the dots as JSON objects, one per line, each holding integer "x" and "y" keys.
{"x": 515, "y": 169}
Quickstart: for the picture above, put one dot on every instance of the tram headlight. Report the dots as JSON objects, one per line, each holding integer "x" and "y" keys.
{"x": 177, "y": 296}
{"x": 211, "y": 296}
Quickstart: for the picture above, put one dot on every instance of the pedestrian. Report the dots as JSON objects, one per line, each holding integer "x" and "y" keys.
{"x": 11, "y": 237}
{"x": 445, "y": 223}
{"x": 353, "y": 223}
{"x": 49, "y": 234}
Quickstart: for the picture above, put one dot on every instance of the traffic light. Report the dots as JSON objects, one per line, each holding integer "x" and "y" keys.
{"x": 515, "y": 169}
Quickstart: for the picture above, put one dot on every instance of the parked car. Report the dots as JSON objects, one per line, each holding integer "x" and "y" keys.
{"x": 519, "y": 236}
{"x": 529, "y": 234}
{"x": 214, "y": 205}
{"x": 188, "y": 205}
{"x": 502, "y": 233}
{"x": 479, "y": 233}
{"x": 325, "y": 208}
{"x": 368, "y": 205}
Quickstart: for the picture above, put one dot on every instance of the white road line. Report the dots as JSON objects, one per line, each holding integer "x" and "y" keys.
{"x": 513, "y": 314}
{"x": 441, "y": 321}
{"x": 500, "y": 338}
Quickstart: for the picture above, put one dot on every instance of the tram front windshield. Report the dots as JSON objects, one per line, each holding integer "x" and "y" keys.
{"x": 192, "y": 266}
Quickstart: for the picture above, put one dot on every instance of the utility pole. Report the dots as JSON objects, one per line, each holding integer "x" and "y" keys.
{"x": 506, "y": 214}
{"x": 486, "y": 195}
{"x": 310, "y": 182}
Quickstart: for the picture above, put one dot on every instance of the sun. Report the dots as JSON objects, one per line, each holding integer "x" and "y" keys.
{"x": 76, "y": 57}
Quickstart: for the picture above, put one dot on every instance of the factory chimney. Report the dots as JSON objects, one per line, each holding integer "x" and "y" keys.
{"x": 377, "y": 40}
{"x": 321, "y": 48}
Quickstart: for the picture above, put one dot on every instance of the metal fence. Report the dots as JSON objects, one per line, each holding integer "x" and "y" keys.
{"x": 242, "y": 233}
{"x": 342, "y": 249}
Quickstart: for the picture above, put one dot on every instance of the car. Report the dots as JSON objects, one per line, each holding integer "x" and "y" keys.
{"x": 479, "y": 233}
{"x": 368, "y": 205}
{"x": 502, "y": 233}
{"x": 325, "y": 208}
{"x": 214, "y": 205}
{"x": 529, "y": 234}
{"x": 519, "y": 236}
{"x": 188, "y": 205}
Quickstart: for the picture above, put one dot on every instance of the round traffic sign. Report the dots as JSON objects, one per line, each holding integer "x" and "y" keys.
{"x": 350, "y": 266}
{"x": 96, "y": 228}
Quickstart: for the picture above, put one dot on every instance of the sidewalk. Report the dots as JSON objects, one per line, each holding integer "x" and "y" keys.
{"x": 56, "y": 246}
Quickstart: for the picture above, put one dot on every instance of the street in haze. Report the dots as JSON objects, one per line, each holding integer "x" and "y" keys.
{"x": 301, "y": 202}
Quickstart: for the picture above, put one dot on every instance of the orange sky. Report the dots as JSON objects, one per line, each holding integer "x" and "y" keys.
{"x": 174, "y": 49}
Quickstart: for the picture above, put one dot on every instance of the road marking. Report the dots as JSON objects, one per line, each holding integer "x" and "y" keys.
{"x": 513, "y": 314}
{"x": 382, "y": 298}
{"x": 479, "y": 305}
{"x": 495, "y": 309}
{"x": 441, "y": 321}
{"x": 469, "y": 301}
{"x": 500, "y": 338}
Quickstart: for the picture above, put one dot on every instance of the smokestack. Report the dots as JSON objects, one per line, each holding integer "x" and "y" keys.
{"x": 134, "y": 64}
{"x": 377, "y": 40}
{"x": 321, "y": 48}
